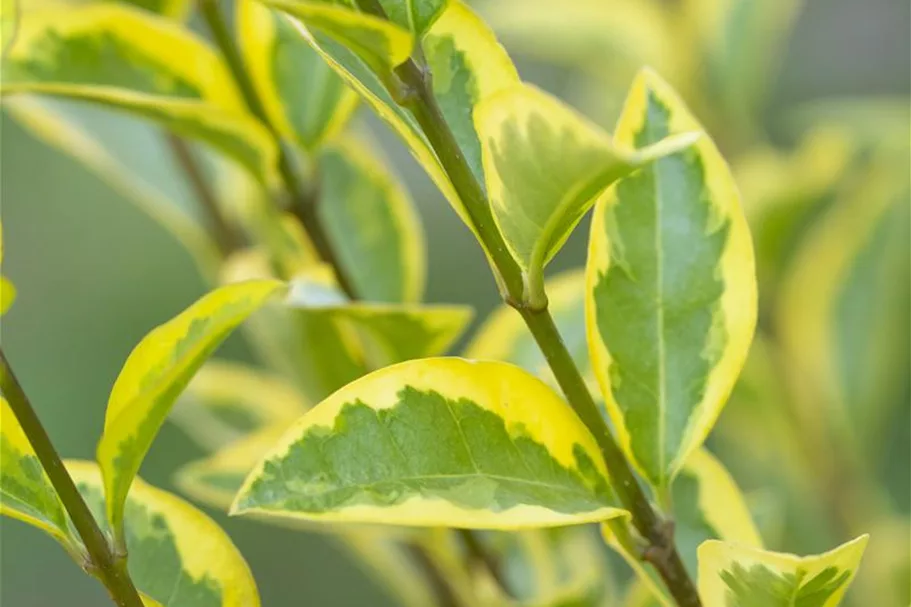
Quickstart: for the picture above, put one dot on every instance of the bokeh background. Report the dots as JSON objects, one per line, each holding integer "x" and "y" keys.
{"x": 94, "y": 275}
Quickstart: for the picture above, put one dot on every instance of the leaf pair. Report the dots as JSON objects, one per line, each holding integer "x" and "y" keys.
{"x": 170, "y": 544}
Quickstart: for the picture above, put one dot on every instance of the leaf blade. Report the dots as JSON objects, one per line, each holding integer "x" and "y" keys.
{"x": 680, "y": 274}
{"x": 495, "y": 394}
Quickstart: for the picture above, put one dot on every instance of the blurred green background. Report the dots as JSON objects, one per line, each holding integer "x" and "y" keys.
{"x": 94, "y": 275}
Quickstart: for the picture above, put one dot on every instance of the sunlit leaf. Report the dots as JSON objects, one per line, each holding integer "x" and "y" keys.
{"x": 733, "y": 575}
{"x": 178, "y": 556}
{"x": 372, "y": 224}
{"x": 132, "y": 61}
{"x": 671, "y": 290}
{"x": 380, "y": 44}
{"x": 436, "y": 442}
{"x": 65, "y": 134}
{"x": 706, "y": 504}
{"x": 25, "y": 491}
{"x": 544, "y": 166}
{"x": 504, "y": 335}
{"x": 468, "y": 65}
{"x": 843, "y": 310}
{"x": 226, "y": 401}
{"x": 154, "y": 375}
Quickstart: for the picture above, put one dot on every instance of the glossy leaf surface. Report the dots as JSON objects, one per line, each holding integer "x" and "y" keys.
{"x": 178, "y": 556}
{"x": 544, "y": 166}
{"x": 435, "y": 442}
{"x": 732, "y": 575}
{"x": 154, "y": 375}
{"x": 671, "y": 290}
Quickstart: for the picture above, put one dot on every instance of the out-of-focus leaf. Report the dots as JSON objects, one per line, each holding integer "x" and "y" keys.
{"x": 372, "y": 224}
{"x": 436, "y": 442}
{"x": 178, "y": 556}
{"x": 303, "y": 97}
{"x": 706, "y": 505}
{"x": 872, "y": 122}
{"x": 154, "y": 375}
{"x": 886, "y": 573}
{"x": 504, "y": 336}
{"x": 738, "y": 45}
{"x": 305, "y": 349}
{"x": 380, "y": 44}
{"x": 226, "y": 401}
{"x": 671, "y": 289}
{"x": 7, "y": 290}
{"x": 65, "y": 134}
{"x": 783, "y": 193}
{"x": 843, "y": 310}
{"x": 128, "y": 60}
{"x": 742, "y": 576}
{"x": 25, "y": 491}
{"x": 544, "y": 166}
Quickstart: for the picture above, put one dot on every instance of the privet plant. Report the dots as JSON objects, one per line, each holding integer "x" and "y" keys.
{"x": 587, "y": 399}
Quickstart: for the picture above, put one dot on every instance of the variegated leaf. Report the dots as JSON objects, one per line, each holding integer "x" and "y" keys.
{"x": 544, "y": 166}
{"x": 435, "y": 442}
{"x": 303, "y": 97}
{"x": 226, "y": 401}
{"x": 26, "y": 492}
{"x": 468, "y": 65}
{"x": 7, "y": 290}
{"x": 733, "y": 575}
{"x": 370, "y": 219}
{"x": 706, "y": 504}
{"x": 178, "y": 557}
{"x": 154, "y": 375}
{"x": 671, "y": 289}
{"x": 132, "y": 61}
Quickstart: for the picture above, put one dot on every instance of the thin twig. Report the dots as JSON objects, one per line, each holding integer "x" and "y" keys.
{"x": 111, "y": 569}
{"x": 224, "y": 234}
{"x": 416, "y": 94}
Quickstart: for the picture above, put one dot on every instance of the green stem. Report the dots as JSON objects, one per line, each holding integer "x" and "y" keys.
{"x": 111, "y": 569}
{"x": 303, "y": 196}
{"x": 226, "y": 237}
{"x": 416, "y": 94}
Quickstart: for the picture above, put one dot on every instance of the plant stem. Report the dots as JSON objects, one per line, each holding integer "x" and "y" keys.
{"x": 109, "y": 568}
{"x": 224, "y": 234}
{"x": 417, "y": 95}
{"x": 303, "y": 196}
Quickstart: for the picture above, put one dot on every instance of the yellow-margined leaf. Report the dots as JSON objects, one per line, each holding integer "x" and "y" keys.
{"x": 436, "y": 442}
{"x": 843, "y": 310}
{"x": 62, "y": 132}
{"x": 544, "y": 166}
{"x": 734, "y": 575}
{"x": 671, "y": 289}
{"x": 125, "y": 59}
{"x": 156, "y": 372}
{"x": 380, "y": 44}
{"x": 372, "y": 223}
{"x": 706, "y": 505}
{"x": 468, "y": 65}
{"x": 504, "y": 335}
{"x": 305, "y": 349}
{"x": 178, "y": 557}
{"x": 226, "y": 401}
{"x": 25, "y": 491}
{"x": 302, "y": 95}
